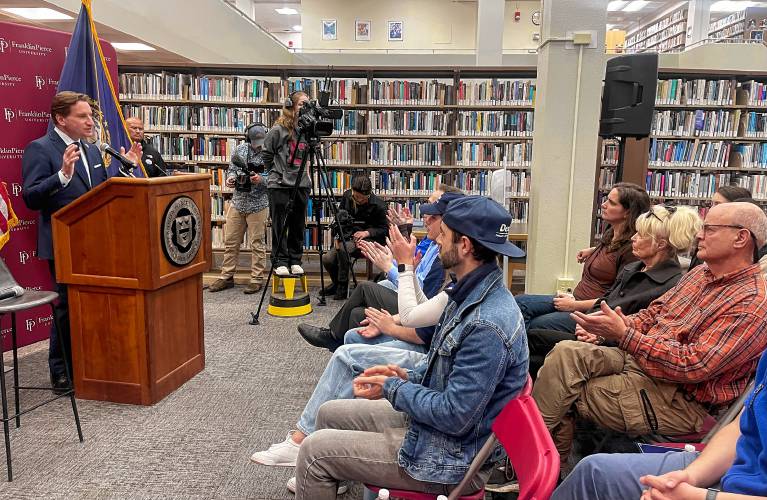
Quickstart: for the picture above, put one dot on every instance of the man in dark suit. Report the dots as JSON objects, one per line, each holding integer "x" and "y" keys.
{"x": 57, "y": 169}
{"x": 153, "y": 162}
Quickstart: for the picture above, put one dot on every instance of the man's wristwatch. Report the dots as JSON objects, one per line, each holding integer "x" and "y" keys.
{"x": 711, "y": 493}
{"x": 401, "y": 268}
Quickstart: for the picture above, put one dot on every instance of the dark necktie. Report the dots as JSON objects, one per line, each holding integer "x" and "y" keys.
{"x": 86, "y": 164}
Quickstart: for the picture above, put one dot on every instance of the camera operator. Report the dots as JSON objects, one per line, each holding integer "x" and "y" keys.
{"x": 281, "y": 142}
{"x": 362, "y": 216}
{"x": 248, "y": 210}
{"x": 153, "y": 163}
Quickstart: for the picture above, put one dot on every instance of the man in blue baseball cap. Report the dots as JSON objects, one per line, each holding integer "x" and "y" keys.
{"x": 419, "y": 430}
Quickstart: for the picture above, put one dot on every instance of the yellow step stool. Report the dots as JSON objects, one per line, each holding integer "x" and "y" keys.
{"x": 289, "y": 302}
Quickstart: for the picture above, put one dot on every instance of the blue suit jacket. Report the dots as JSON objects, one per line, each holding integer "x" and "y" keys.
{"x": 42, "y": 187}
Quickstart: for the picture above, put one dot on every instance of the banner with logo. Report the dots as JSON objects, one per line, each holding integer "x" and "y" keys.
{"x": 31, "y": 60}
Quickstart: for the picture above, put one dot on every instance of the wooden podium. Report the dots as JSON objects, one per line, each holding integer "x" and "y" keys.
{"x": 136, "y": 316}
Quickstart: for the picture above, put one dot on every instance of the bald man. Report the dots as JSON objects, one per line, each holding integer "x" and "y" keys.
{"x": 153, "y": 162}
{"x": 690, "y": 353}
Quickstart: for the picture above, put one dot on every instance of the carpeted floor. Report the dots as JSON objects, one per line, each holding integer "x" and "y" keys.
{"x": 193, "y": 444}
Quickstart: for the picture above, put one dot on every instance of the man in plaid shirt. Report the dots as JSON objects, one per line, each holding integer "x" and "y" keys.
{"x": 692, "y": 351}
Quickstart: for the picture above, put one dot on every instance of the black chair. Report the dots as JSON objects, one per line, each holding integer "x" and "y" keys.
{"x": 28, "y": 300}
{"x": 355, "y": 256}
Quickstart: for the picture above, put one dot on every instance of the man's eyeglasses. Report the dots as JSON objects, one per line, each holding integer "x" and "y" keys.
{"x": 707, "y": 230}
{"x": 669, "y": 210}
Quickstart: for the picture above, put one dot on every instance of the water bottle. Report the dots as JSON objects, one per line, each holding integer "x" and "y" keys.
{"x": 383, "y": 494}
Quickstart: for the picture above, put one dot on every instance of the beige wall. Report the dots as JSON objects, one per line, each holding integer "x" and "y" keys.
{"x": 518, "y": 35}
{"x": 428, "y": 24}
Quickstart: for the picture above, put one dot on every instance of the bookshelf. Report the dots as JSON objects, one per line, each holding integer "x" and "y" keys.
{"x": 409, "y": 129}
{"x": 666, "y": 34}
{"x": 707, "y": 131}
{"x": 747, "y": 24}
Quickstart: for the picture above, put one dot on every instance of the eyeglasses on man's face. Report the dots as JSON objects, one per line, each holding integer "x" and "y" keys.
{"x": 709, "y": 229}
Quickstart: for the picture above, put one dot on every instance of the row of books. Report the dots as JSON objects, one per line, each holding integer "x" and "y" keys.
{"x": 653, "y": 40}
{"x": 607, "y": 177}
{"x": 610, "y": 152}
{"x": 727, "y": 21}
{"x": 182, "y": 118}
{"x": 717, "y": 123}
{"x": 344, "y": 152}
{"x": 431, "y": 92}
{"x": 749, "y": 155}
{"x": 687, "y": 184}
{"x": 195, "y": 148}
{"x": 494, "y": 91}
{"x": 635, "y": 39}
{"x": 756, "y": 92}
{"x": 686, "y": 153}
{"x": 408, "y": 122}
{"x": 509, "y": 154}
{"x": 495, "y": 123}
{"x": 351, "y": 123}
{"x": 272, "y": 90}
{"x": 395, "y": 182}
{"x": 408, "y": 153}
{"x": 755, "y": 124}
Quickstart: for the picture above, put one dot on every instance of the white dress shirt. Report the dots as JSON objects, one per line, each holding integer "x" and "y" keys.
{"x": 68, "y": 140}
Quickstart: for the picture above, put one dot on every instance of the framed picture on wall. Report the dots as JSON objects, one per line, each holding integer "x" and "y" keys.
{"x": 329, "y": 29}
{"x": 362, "y": 30}
{"x": 396, "y": 31}
{"x": 757, "y": 35}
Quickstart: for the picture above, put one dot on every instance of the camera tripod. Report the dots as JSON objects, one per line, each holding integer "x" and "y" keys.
{"x": 314, "y": 157}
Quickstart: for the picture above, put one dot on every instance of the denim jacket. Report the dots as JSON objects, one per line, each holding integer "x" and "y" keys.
{"x": 476, "y": 363}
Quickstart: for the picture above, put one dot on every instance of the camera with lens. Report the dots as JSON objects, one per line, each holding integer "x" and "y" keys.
{"x": 245, "y": 170}
{"x": 344, "y": 226}
{"x": 314, "y": 121}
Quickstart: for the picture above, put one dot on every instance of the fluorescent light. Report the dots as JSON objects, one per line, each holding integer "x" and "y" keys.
{"x": 37, "y": 13}
{"x": 286, "y": 11}
{"x": 616, "y": 5}
{"x": 131, "y": 46}
{"x": 730, "y": 6}
{"x": 297, "y": 27}
{"x": 635, "y": 6}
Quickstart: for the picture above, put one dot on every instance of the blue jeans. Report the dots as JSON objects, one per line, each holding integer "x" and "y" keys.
{"x": 539, "y": 313}
{"x": 353, "y": 337}
{"x": 608, "y": 476}
{"x": 347, "y": 362}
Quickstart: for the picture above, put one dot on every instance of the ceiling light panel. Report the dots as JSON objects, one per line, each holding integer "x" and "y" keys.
{"x": 616, "y": 5}
{"x": 286, "y": 11}
{"x": 635, "y": 6}
{"x": 131, "y": 46}
{"x": 37, "y": 13}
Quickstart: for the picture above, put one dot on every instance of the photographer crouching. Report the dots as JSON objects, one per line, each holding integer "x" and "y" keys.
{"x": 362, "y": 216}
{"x": 248, "y": 210}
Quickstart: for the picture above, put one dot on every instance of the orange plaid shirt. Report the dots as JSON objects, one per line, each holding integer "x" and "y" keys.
{"x": 705, "y": 334}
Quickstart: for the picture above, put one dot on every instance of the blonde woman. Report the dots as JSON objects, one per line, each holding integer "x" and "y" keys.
{"x": 282, "y": 156}
{"x": 661, "y": 234}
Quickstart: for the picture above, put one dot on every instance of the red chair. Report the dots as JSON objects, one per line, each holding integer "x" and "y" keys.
{"x": 520, "y": 429}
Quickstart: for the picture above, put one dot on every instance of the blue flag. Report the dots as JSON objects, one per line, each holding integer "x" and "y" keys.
{"x": 85, "y": 71}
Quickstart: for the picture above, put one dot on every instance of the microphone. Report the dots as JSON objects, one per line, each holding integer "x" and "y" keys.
{"x": 106, "y": 148}
{"x": 14, "y": 291}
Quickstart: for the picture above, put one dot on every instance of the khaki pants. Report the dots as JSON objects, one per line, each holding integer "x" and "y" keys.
{"x": 607, "y": 386}
{"x": 359, "y": 440}
{"x": 236, "y": 223}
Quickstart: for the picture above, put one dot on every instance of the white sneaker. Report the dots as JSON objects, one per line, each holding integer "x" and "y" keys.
{"x": 343, "y": 487}
{"x": 296, "y": 269}
{"x": 282, "y": 271}
{"x": 283, "y": 454}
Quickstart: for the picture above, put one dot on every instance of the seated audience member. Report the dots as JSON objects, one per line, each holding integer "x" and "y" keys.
{"x": 368, "y": 294}
{"x": 725, "y": 194}
{"x": 733, "y": 459}
{"x": 601, "y": 264}
{"x": 349, "y": 361}
{"x": 420, "y": 430}
{"x": 662, "y": 233}
{"x": 362, "y": 217}
{"x": 691, "y": 352}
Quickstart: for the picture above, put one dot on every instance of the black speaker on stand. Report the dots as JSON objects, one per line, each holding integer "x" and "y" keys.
{"x": 628, "y": 100}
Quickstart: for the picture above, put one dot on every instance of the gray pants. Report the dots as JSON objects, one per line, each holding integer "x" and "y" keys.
{"x": 358, "y": 440}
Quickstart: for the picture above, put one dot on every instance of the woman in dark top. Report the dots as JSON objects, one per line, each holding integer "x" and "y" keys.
{"x": 601, "y": 264}
{"x": 662, "y": 233}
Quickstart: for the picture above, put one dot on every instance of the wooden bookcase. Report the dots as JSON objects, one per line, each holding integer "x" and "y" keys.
{"x": 666, "y": 34}
{"x": 709, "y": 130}
{"x": 409, "y": 129}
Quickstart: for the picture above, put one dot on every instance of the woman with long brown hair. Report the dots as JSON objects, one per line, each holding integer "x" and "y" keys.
{"x": 280, "y": 147}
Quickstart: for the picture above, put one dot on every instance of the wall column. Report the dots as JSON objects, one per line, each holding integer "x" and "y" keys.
{"x": 490, "y": 25}
{"x": 698, "y": 14}
{"x": 561, "y": 131}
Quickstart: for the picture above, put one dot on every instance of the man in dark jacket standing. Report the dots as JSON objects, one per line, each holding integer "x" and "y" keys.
{"x": 363, "y": 217}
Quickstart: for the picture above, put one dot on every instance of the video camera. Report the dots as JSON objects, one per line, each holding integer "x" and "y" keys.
{"x": 314, "y": 119}
{"x": 344, "y": 225}
{"x": 245, "y": 170}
